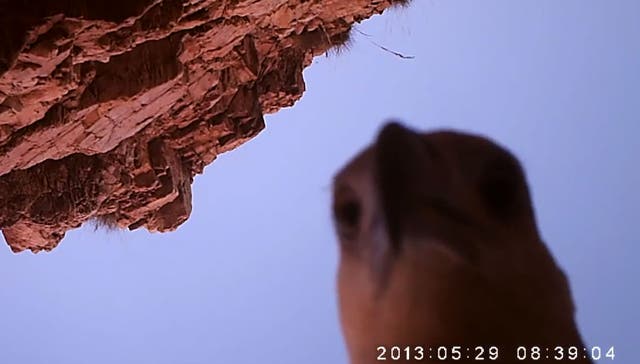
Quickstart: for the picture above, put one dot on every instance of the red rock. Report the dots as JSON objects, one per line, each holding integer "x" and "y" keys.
{"x": 109, "y": 108}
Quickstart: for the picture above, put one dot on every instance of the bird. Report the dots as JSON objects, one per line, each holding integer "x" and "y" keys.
{"x": 439, "y": 248}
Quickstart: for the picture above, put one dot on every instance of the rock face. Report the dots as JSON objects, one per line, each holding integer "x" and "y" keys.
{"x": 109, "y": 108}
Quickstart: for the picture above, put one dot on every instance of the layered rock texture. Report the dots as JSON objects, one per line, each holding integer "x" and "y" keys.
{"x": 108, "y": 109}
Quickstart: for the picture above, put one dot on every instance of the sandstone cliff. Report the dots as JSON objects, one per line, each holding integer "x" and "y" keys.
{"x": 109, "y": 108}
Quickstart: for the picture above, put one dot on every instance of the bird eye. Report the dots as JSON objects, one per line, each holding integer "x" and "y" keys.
{"x": 347, "y": 212}
{"x": 500, "y": 187}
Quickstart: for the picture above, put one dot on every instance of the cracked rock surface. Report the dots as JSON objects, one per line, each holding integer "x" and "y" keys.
{"x": 108, "y": 109}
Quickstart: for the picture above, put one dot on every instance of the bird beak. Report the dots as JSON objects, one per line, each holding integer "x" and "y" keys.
{"x": 402, "y": 164}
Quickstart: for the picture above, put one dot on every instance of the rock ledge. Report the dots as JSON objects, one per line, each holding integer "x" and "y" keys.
{"x": 108, "y": 109}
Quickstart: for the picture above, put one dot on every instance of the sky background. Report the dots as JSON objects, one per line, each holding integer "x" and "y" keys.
{"x": 250, "y": 277}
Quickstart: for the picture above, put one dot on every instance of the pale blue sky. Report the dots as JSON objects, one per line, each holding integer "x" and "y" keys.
{"x": 250, "y": 277}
